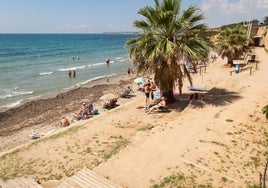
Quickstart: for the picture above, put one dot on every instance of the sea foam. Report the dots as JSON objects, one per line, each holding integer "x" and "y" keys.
{"x": 45, "y": 73}
{"x": 10, "y": 94}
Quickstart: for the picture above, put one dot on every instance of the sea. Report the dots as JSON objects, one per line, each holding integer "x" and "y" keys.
{"x": 33, "y": 65}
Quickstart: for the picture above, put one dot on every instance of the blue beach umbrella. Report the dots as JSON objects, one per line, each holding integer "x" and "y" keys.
{"x": 140, "y": 80}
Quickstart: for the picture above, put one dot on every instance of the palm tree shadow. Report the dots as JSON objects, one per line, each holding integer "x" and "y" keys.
{"x": 215, "y": 97}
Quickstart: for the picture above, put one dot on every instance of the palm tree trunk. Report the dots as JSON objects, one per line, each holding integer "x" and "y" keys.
{"x": 230, "y": 62}
{"x": 180, "y": 86}
{"x": 169, "y": 96}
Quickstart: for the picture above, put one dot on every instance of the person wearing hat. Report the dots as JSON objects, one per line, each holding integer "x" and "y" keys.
{"x": 160, "y": 105}
{"x": 83, "y": 113}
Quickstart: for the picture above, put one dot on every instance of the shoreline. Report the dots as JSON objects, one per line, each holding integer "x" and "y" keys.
{"x": 42, "y": 114}
{"x": 87, "y": 83}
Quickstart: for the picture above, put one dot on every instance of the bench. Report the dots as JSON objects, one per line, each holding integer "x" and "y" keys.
{"x": 241, "y": 70}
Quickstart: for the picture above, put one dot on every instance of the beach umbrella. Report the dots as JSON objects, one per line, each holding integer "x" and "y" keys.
{"x": 108, "y": 96}
{"x": 140, "y": 80}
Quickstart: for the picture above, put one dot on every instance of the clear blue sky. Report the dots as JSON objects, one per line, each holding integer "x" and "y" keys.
{"x": 97, "y": 16}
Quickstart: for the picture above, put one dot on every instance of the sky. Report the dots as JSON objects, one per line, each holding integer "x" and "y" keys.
{"x": 97, "y": 16}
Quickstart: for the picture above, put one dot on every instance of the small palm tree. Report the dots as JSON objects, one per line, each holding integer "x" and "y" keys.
{"x": 265, "y": 111}
{"x": 169, "y": 37}
{"x": 232, "y": 43}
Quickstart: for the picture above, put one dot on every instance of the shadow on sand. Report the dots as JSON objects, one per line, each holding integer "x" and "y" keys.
{"x": 215, "y": 97}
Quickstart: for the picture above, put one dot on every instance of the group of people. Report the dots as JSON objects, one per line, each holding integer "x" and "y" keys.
{"x": 85, "y": 112}
{"x": 72, "y": 73}
{"x": 149, "y": 88}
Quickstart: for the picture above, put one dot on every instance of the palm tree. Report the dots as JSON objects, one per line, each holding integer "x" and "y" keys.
{"x": 231, "y": 43}
{"x": 169, "y": 37}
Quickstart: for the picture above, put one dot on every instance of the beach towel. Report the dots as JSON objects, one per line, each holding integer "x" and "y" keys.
{"x": 35, "y": 135}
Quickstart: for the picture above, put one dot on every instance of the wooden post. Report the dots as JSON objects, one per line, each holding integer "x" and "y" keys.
{"x": 250, "y": 70}
{"x": 256, "y": 65}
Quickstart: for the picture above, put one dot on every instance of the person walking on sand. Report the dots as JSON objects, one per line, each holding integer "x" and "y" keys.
{"x": 153, "y": 88}
{"x": 147, "y": 91}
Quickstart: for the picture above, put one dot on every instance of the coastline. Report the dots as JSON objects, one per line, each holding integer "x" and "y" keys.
{"x": 217, "y": 140}
{"x": 42, "y": 114}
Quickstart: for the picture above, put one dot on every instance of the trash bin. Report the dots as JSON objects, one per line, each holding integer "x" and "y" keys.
{"x": 236, "y": 68}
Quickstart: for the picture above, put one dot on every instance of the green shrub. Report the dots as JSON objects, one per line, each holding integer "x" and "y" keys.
{"x": 265, "y": 111}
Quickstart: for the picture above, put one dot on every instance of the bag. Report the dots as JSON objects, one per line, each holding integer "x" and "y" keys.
{"x": 96, "y": 112}
{"x": 195, "y": 96}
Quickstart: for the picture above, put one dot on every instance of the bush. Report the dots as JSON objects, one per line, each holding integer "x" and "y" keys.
{"x": 265, "y": 111}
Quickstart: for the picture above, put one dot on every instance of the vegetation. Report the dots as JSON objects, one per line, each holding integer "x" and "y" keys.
{"x": 169, "y": 38}
{"x": 265, "y": 111}
{"x": 232, "y": 43}
{"x": 174, "y": 180}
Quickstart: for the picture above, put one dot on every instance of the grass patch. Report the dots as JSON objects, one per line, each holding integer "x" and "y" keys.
{"x": 256, "y": 161}
{"x": 70, "y": 131}
{"x": 224, "y": 179}
{"x": 145, "y": 128}
{"x": 229, "y": 120}
{"x": 116, "y": 148}
{"x": 173, "y": 180}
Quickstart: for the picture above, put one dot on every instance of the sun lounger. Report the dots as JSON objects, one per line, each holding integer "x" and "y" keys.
{"x": 193, "y": 88}
{"x": 126, "y": 93}
{"x": 195, "y": 91}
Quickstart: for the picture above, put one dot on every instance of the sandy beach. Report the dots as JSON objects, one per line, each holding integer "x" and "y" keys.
{"x": 220, "y": 140}
{"x": 43, "y": 114}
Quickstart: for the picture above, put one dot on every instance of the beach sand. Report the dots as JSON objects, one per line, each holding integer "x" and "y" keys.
{"x": 218, "y": 140}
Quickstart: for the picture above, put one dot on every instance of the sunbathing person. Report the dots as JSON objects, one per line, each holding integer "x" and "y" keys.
{"x": 160, "y": 105}
{"x": 64, "y": 122}
{"x": 83, "y": 113}
{"x": 110, "y": 104}
{"x": 126, "y": 92}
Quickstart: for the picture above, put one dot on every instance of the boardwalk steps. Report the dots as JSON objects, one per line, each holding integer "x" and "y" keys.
{"x": 20, "y": 183}
{"x": 83, "y": 179}
{"x": 87, "y": 179}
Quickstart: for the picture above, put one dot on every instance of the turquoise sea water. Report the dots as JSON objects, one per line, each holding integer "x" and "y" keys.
{"x": 35, "y": 64}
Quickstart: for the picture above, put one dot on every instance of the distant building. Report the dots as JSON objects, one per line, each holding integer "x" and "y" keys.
{"x": 255, "y": 23}
{"x": 259, "y": 35}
